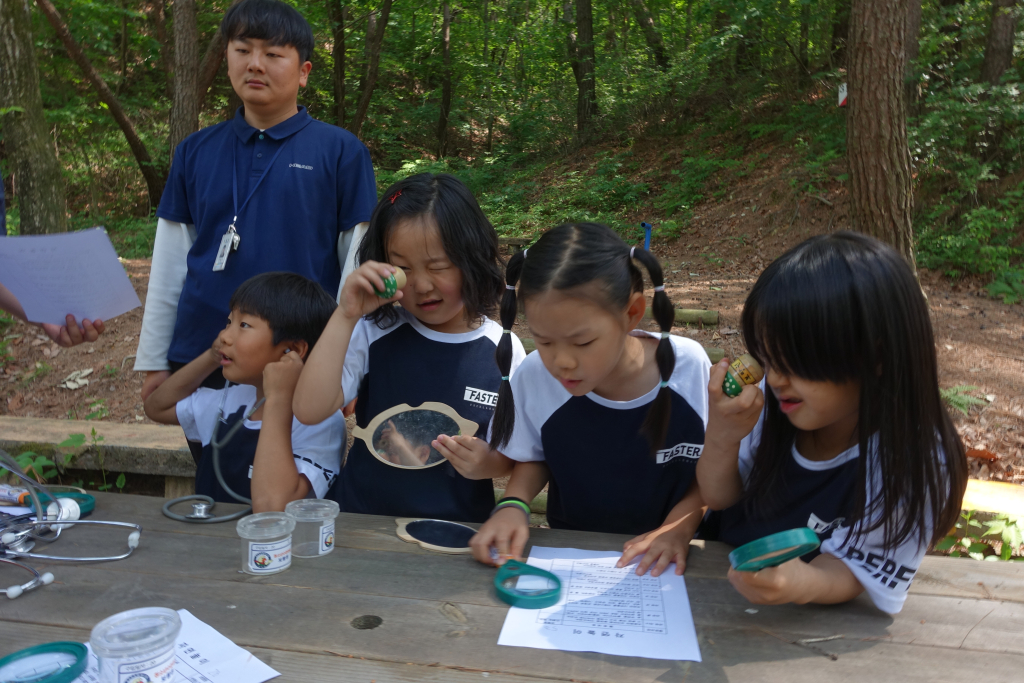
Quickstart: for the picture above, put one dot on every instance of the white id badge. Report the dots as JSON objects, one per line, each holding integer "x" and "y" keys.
{"x": 223, "y": 252}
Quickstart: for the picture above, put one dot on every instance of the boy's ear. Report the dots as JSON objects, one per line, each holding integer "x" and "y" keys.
{"x": 299, "y": 346}
{"x": 304, "y": 70}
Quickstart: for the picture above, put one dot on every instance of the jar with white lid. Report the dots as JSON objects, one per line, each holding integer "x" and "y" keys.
{"x": 314, "y": 526}
{"x": 137, "y": 645}
{"x": 266, "y": 542}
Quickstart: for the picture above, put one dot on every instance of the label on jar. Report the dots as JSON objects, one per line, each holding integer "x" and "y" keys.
{"x": 327, "y": 538}
{"x": 265, "y": 558}
{"x": 158, "y": 669}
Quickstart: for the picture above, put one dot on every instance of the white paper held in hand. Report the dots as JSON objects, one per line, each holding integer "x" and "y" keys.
{"x": 606, "y": 609}
{"x": 204, "y": 655}
{"x": 73, "y": 272}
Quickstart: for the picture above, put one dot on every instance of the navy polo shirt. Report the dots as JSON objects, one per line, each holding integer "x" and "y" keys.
{"x": 320, "y": 182}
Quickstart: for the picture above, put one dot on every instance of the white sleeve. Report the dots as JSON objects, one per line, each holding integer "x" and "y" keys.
{"x": 317, "y": 451}
{"x": 535, "y": 400}
{"x": 885, "y": 572}
{"x": 348, "y": 249}
{"x": 166, "y": 280}
{"x": 357, "y": 360}
{"x": 195, "y": 412}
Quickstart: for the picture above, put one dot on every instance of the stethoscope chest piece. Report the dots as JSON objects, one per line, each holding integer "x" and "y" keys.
{"x": 60, "y": 662}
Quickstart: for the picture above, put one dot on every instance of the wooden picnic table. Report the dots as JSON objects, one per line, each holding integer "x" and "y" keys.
{"x": 441, "y": 620}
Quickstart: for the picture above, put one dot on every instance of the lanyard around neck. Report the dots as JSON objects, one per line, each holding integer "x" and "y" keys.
{"x": 234, "y": 178}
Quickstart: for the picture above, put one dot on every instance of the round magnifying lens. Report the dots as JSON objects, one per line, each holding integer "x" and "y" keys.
{"x": 522, "y": 585}
{"x": 60, "y": 662}
{"x": 773, "y": 550}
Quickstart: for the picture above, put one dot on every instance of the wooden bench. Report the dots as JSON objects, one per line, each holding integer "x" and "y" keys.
{"x": 516, "y": 243}
{"x": 133, "y": 448}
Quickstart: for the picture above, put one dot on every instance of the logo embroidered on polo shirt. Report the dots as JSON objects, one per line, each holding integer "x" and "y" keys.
{"x": 691, "y": 451}
{"x": 308, "y": 168}
{"x": 488, "y": 399}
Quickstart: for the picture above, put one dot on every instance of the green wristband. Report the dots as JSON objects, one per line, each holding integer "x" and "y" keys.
{"x": 510, "y": 503}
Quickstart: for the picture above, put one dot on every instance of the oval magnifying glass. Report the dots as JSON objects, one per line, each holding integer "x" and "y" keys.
{"x": 436, "y": 534}
{"x": 773, "y": 550}
{"x": 401, "y": 436}
{"x": 523, "y": 585}
{"x": 60, "y": 662}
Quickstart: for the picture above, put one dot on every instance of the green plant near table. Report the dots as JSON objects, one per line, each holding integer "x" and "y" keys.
{"x": 993, "y": 540}
{"x": 959, "y": 397}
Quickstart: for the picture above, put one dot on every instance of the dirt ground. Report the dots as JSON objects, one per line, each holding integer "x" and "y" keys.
{"x": 980, "y": 341}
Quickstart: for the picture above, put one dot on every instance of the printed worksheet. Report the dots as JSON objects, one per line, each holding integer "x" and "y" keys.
{"x": 605, "y": 609}
{"x": 203, "y": 655}
{"x": 71, "y": 272}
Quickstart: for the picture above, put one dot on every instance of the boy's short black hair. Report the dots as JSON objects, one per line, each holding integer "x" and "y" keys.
{"x": 274, "y": 21}
{"x": 295, "y": 307}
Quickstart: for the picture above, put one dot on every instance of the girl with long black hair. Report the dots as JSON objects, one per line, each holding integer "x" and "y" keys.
{"x": 612, "y": 417}
{"x": 848, "y": 434}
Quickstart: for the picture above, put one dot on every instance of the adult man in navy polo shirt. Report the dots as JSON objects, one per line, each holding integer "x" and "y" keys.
{"x": 272, "y": 189}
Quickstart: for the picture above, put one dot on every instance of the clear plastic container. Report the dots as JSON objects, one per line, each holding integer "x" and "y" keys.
{"x": 266, "y": 542}
{"x": 137, "y": 645}
{"x": 314, "y": 526}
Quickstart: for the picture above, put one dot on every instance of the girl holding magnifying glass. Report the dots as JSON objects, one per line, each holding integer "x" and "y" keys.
{"x": 437, "y": 346}
{"x": 611, "y": 417}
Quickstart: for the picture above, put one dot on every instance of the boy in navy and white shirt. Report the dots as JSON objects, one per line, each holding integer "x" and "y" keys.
{"x": 275, "y": 320}
{"x": 409, "y": 363}
{"x": 819, "y": 495}
{"x": 292, "y": 187}
{"x": 603, "y": 477}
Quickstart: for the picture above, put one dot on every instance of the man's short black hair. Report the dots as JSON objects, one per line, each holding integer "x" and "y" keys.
{"x": 295, "y": 307}
{"x": 274, "y": 21}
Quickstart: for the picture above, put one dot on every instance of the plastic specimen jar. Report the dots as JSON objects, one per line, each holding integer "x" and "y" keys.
{"x": 266, "y": 542}
{"x": 137, "y": 645}
{"x": 314, "y": 526}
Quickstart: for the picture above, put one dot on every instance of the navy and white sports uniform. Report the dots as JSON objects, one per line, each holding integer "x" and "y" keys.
{"x": 410, "y": 363}
{"x": 819, "y": 495}
{"x": 317, "y": 448}
{"x": 603, "y": 476}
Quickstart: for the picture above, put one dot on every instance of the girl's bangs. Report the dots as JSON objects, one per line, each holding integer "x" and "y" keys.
{"x": 802, "y": 319}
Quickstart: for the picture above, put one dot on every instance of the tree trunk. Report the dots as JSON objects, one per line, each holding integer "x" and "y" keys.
{"x": 446, "y": 81}
{"x": 36, "y": 173}
{"x": 123, "y": 57}
{"x": 804, "y": 67}
{"x": 373, "y": 55}
{"x": 748, "y": 50}
{"x": 158, "y": 19}
{"x": 185, "y": 107}
{"x": 586, "y": 83}
{"x": 154, "y": 178}
{"x": 876, "y": 129}
{"x": 654, "y": 42}
{"x": 913, "y": 50}
{"x": 339, "y": 14}
{"x": 999, "y": 47}
{"x": 210, "y": 65}
{"x": 840, "y": 33}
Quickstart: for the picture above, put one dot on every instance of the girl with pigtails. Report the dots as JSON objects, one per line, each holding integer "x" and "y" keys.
{"x": 611, "y": 417}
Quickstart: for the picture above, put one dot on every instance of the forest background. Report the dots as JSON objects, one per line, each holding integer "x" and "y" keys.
{"x": 504, "y": 92}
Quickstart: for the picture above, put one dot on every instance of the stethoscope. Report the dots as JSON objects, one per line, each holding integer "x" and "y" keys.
{"x": 19, "y": 534}
{"x": 201, "y": 511}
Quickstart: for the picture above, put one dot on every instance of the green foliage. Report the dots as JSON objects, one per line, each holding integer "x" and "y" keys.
{"x": 959, "y": 397}
{"x": 97, "y": 410}
{"x": 39, "y": 371}
{"x": 110, "y": 371}
{"x": 1008, "y": 286}
{"x": 998, "y": 538}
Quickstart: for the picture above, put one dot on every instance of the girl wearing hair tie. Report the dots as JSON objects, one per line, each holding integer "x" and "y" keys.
{"x": 610, "y": 416}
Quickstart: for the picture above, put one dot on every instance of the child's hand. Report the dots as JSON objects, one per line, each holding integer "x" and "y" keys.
{"x": 774, "y": 585}
{"x": 471, "y": 457}
{"x": 280, "y": 378}
{"x": 731, "y": 418}
{"x": 506, "y": 532}
{"x": 358, "y": 296}
{"x": 666, "y": 544}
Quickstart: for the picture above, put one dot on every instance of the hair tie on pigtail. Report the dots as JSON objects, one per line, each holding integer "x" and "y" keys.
{"x": 662, "y": 384}
{"x": 506, "y": 331}
{"x": 512, "y": 287}
{"x": 504, "y": 378}
{"x": 631, "y": 251}
{"x": 524, "y": 252}
{"x": 665, "y": 335}
{"x": 659, "y": 288}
